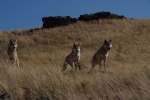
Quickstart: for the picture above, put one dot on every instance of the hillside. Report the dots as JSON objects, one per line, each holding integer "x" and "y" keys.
{"x": 42, "y": 52}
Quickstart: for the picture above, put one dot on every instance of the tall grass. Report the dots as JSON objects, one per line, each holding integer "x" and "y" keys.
{"x": 42, "y": 52}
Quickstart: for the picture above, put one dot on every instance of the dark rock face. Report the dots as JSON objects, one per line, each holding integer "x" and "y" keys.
{"x": 54, "y": 21}
{"x": 50, "y": 22}
{"x": 99, "y": 15}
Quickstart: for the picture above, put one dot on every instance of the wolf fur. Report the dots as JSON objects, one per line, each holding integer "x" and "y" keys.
{"x": 73, "y": 58}
{"x": 101, "y": 55}
{"x": 12, "y": 52}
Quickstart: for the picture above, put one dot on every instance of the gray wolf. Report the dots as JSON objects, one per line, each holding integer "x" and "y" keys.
{"x": 101, "y": 55}
{"x": 73, "y": 58}
{"x": 12, "y": 52}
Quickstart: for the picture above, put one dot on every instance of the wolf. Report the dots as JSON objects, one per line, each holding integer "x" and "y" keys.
{"x": 73, "y": 58}
{"x": 12, "y": 52}
{"x": 101, "y": 55}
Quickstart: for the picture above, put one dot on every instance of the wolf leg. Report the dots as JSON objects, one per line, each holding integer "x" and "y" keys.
{"x": 105, "y": 67}
{"x": 17, "y": 62}
{"x": 93, "y": 66}
{"x": 64, "y": 67}
{"x": 100, "y": 67}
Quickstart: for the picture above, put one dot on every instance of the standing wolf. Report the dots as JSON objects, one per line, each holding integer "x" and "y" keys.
{"x": 73, "y": 58}
{"x": 101, "y": 54}
{"x": 12, "y": 53}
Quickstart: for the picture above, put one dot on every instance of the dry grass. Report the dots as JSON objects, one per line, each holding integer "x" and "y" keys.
{"x": 42, "y": 53}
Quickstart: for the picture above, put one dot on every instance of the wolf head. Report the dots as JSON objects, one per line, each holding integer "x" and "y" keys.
{"x": 107, "y": 44}
{"x": 76, "y": 48}
{"x": 13, "y": 44}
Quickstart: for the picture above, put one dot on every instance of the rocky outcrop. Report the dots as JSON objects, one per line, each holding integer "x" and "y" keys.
{"x": 99, "y": 15}
{"x": 54, "y": 21}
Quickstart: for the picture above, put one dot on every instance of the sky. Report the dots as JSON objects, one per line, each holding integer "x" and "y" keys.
{"x": 23, "y": 14}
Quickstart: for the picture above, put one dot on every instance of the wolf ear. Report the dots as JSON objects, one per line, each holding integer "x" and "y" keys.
{"x": 16, "y": 40}
{"x": 105, "y": 41}
{"x": 109, "y": 40}
{"x": 10, "y": 41}
{"x": 74, "y": 45}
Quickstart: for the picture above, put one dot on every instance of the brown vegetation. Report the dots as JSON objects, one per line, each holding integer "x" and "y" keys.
{"x": 42, "y": 53}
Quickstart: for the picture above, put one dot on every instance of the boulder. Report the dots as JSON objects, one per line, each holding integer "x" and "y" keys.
{"x": 99, "y": 15}
{"x": 54, "y": 21}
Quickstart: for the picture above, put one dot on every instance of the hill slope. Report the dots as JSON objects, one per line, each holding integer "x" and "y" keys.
{"x": 42, "y": 52}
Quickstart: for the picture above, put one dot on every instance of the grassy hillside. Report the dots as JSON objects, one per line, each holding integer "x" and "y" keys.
{"x": 42, "y": 52}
